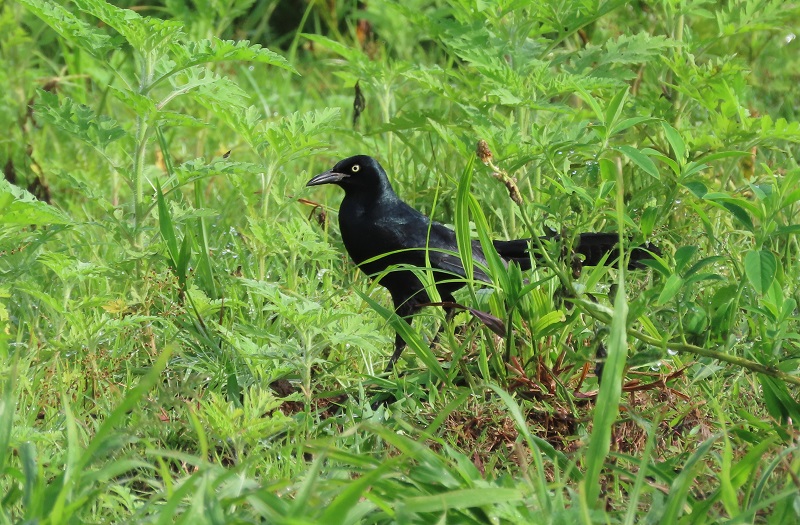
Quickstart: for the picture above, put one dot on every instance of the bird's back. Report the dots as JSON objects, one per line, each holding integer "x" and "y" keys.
{"x": 388, "y": 232}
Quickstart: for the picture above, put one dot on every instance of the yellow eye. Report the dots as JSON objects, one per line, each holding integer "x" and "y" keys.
{"x": 355, "y": 168}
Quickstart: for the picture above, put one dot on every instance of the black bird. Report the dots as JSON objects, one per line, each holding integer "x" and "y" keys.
{"x": 380, "y": 231}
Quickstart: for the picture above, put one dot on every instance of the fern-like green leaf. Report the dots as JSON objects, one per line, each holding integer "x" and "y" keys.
{"x": 144, "y": 34}
{"x": 71, "y": 28}
{"x": 297, "y": 135}
{"x": 217, "y": 50}
{"x": 139, "y": 104}
{"x": 81, "y": 121}
{"x": 203, "y": 83}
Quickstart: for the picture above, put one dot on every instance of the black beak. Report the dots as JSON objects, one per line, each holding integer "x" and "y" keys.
{"x": 328, "y": 177}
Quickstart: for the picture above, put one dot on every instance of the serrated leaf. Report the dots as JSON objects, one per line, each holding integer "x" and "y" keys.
{"x": 217, "y": 50}
{"x": 613, "y": 58}
{"x": 347, "y": 52}
{"x": 72, "y": 29}
{"x": 179, "y": 120}
{"x": 294, "y": 136}
{"x": 79, "y": 120}
{"x": 760, "y": 266}
{"x": 412, "y": 120}
{"x": 200, "y": 168}
{"x": 207, "y": 87}
{"x": 17, "y": 206}
{"x": 145, "y": 34}
{"x": 139, "y": 104}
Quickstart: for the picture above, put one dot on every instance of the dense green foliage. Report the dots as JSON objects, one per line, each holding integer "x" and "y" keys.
{"x": 184, "y": 340}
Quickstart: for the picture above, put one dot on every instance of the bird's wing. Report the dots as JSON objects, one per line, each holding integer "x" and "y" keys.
{"x": 443, "y": 253}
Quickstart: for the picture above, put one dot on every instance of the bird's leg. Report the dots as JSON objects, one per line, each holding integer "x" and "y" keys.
{"x": 404, "y": 310}
{"x": 399, "y": 345}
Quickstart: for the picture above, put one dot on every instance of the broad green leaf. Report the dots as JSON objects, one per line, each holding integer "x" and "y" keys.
{"x": 350, "y": 53}
{"x": 615, "y": 108}
{"x": 554, "y": 318}
{"x": 696, "y": 267}
{"x": 648, "y": 221}
{"x": 740, "y": 214}
{"x": 780, "y": 402}
{"x": 760, "y": 266}
{"x": 676, "y": 141}
{"x": 211, "y": 88}
{"x": 671, "y": 288}
{"x": 628, "y": 123}
{"x": 697, "y": 188}
{"x": 659, "y": 264}
{"x": 640, "y": 159}
{"x": 682, "y": 257}
{"x": 721, "y": 155}
{"x": 589, "y": 99}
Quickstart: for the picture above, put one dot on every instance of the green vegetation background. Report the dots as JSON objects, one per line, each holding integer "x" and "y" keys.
{"x": 184, "y": 340}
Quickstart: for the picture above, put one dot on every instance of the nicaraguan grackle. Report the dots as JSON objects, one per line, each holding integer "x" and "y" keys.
{"x": 380, "y": 231}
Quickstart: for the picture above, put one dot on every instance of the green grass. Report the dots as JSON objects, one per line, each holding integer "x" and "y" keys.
{"x": 184, "y": 340}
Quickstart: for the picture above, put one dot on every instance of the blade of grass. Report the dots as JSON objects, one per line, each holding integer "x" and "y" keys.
{"x": 683, "y": 482}
{"x": 607, "y": 406}
{"x": 409, "y": 335}
{"x": 7, "y": 405}
{"x": 463, "y": 237}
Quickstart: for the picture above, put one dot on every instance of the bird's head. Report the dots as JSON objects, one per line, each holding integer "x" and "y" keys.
{"x": 359, "y": 173}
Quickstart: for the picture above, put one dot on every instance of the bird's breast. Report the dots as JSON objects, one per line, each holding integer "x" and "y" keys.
{"x": 367, "y": 233}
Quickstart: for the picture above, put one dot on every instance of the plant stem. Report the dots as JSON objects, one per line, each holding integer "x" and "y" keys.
{"x": 685, "y": 348}
{"x": 138, "y": 179}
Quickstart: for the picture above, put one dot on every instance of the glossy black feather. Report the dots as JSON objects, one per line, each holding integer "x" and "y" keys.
{"x": 380, "y": 231}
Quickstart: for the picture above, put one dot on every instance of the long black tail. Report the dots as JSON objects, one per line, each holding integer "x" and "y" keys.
{"x": 592, "y": 246}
